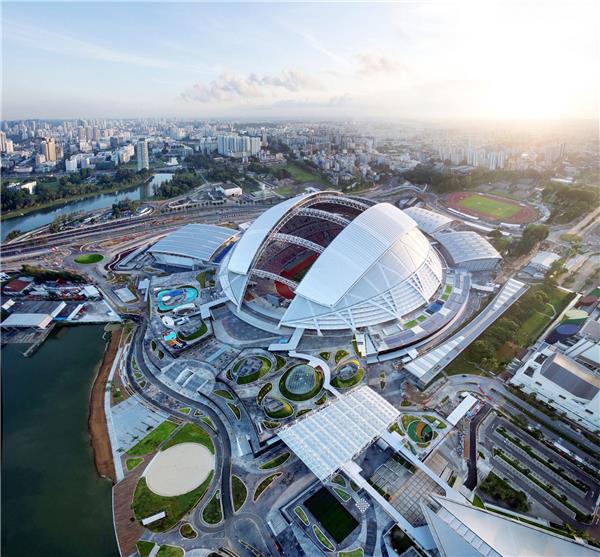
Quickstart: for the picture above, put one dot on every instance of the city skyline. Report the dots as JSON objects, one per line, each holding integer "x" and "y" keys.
{"x": 265, "y": 61}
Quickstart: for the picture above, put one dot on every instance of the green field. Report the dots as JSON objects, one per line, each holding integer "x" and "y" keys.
{"x": 153, "y": 440}
{"x": 191, "y": 433}
{"x": 302, "y": 175}
{"x": 331, "y": 514}
{"x": 88, "y": 258}
{"x": 490, "y": 207}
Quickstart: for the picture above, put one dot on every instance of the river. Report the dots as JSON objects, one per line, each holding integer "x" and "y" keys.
{"x": 53, "y": 501}
{"x": 41, "y": 217}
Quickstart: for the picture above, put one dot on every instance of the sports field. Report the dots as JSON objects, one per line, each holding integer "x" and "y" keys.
{"x": 489, "y": 206}
{"x": 492, "y": 207}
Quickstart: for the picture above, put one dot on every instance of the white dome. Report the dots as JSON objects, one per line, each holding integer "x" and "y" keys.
{"x": 369, "y": 263}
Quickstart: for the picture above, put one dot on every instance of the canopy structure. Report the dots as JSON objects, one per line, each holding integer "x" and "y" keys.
{"x": 329, "y": 438}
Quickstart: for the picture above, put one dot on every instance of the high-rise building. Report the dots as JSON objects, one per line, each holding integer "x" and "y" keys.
{"x": 2, "y": 142}
{"x": 49, "y": 149}
{"x": 238, "y": 145}
{"x": 142, "y": 155}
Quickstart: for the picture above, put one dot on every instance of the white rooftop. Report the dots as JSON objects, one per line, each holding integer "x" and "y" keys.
{"x": 544, "y": 259}
{"x": 460, "y": 411}
{"x": 329, "y": 438}
{"x": 428, "y": 221}
{"x": 461, "y": 529}
{"x": 39, "y": 320}
{"x": 466, "y": 246}
{"x": 197, "y": 241}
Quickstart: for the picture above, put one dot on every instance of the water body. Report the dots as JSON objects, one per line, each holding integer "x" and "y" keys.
{"x": 53, "y": 501}
{"x": 35, "y": 219}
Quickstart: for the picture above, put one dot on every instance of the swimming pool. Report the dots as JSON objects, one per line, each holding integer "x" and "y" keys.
{"x": 170, "y": 299}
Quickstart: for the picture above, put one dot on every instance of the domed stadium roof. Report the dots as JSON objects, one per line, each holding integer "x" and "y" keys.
{"x": 369, "y": 263}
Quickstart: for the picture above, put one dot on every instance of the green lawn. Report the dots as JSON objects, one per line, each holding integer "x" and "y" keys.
{"x": 357, "y": 552}
{"x": 284, "y": 412}
{"x": 262, "y": 486}
{"x": 146, "y": 503}
{"x": 153, "y": 440}
{"x": 235, "y": 410}
{"x": 187, "y": 531}
{"x": 132, "y": 463}
{"x": 144, "y": 548}
{"x": 201, "y": 330}
{"x": 275, "y": 462}
{"x": 224, "y": 394}
{"x": 339, "y": 355}
{"x": 340, "y": 383}
{"x": 264, "y": 390}
{"x": 490, "y": 207}
{"x": 323, "y": 539}
{"x": 239, "y": 492}
{"x": 302, "y": 175}
{"x": 185, "y": 410}
{"x": 299, "y": 511}
{"x": 344, "y": 495}
{"x": 191, "y": 433}
{"x": 208, "y": 422}
{"x": 88, "y": 258}
{"x": 251, "y": 377}
{"x": 170, "y": 551}
{"x": 213, "y": 512}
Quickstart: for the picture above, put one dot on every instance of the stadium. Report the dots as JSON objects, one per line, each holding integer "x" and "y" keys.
{"x": 327, "y": 262}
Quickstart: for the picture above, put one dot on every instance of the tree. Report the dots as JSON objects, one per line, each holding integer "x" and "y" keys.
{"x": 12, "y": 235}
{"x": 532, "y": 235}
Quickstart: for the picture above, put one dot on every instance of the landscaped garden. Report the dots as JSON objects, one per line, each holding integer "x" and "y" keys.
{"x": 88, "y": 258}
{"x": 191, "y": 433}
{"x": 348, "y": 374}
{"x": 154, "y": 439}
{"x": 146, "y": 503}
{"x": 275, "y": 462}
{"x": 262, "y": 486}
{"x": 301, "y": 382}
{"x": 239, "y": 492}
{"x": 278, "y": 409}
{"x": 213, "y": 512}
{"x": 251, "y": 368}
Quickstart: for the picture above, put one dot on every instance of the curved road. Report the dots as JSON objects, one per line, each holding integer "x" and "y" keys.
{"x": 233, "y": 522}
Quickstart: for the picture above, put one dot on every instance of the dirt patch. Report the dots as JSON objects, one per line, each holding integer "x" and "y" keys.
{"x": 97, "y": 420}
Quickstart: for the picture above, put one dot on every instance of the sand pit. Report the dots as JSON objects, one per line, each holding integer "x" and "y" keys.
{"x": 179, "y": 469}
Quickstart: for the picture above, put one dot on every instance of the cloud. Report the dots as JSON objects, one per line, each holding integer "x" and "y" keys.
{"x": 371, "y": 63}
{"x": 228, "y": 87}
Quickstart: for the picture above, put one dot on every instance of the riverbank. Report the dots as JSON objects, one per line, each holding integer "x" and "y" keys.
{"x": 67, "y": 200}
{"x": 98, "y": 428}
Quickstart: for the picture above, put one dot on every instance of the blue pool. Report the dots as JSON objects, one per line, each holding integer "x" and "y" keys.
{"x": 170, "y": 299}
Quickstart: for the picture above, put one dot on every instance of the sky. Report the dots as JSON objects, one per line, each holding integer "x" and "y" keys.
{"x": 420, "y": 60}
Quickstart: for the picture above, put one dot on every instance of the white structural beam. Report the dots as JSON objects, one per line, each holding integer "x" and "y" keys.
{"x": 298, "y": 241}
{"x": 274, "y": 276}
{"x": 323, "y": 215}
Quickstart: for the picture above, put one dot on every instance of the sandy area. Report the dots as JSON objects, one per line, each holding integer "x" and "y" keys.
{"x": 179, "y": 469}
{"x": 97, "y": 420}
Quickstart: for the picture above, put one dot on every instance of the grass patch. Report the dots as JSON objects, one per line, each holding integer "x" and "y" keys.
{"x": 234, "y": 410}
{"x": 201, "y": 330}
{"x": 88, "y": 258}
{"x": 344, "y": 495}
{"x": 153, "y": 440}
{"x": 262, "y": 486}
{"x": 132, "y": 463}
{"x": 275, "y": 462}
{"x": 187, "y": 531}
{"x": 213, "y": 512}
{"x": 239, "y": 492}
{"x": 185, "y": 410}
{"x": 270, "y": 425}
{"x": 301, "y": 175}
{"x": 279, "y": 361}
{"x": 146, "y": 503}
{"x": 477, "y": 502}
{"x": 284, "y": 412}
{"x": 356, "y": 552}
{"x": 323, "y": 539}
{"x": 264, "y": 390}
{"x": 208, "y": 422}
{"x": 170, "y": 551}
{"x": 340, "y": 383}
{"x": 251, "y": 377}
{"x": 325, "y": 355}
{"x": 500, "y": 489}
{"x": 299, "y": 512}
{"x": 191, "y": 433}
{"x": 340, "y": 355}
{"x": 224, "y": 394}
{"x": 144, "y": 548}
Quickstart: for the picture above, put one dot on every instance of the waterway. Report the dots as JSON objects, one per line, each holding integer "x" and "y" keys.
{"x": 53, "y": 501}
{"x": 35, "y": 219}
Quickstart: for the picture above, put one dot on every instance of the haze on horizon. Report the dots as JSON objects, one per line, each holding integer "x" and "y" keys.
{"x": 419, "y": 60}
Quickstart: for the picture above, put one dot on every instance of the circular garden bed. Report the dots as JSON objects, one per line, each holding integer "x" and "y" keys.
{"x": 301, "y": 382}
